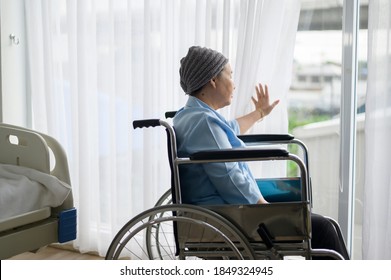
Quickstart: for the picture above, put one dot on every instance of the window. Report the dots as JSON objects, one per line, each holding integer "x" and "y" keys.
{"x": 314, "y": 106}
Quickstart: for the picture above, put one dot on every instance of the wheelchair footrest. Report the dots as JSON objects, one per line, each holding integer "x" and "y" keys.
{"x": 67, "y": 225}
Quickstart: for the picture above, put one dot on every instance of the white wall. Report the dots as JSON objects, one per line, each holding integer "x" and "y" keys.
{"x": 13, "y": 64}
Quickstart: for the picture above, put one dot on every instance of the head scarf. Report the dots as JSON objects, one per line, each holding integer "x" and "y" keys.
{"x": 199, "y": 66}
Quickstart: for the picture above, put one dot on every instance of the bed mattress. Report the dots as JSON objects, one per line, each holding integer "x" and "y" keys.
{"x": 24, "y": 189}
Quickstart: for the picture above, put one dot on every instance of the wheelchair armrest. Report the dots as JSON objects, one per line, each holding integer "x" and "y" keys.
{"x": 238, "y": 153}
{"x": 255, "y": 138}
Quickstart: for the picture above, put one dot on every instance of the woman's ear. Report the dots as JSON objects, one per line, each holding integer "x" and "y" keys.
{"x": 213, "y": 82}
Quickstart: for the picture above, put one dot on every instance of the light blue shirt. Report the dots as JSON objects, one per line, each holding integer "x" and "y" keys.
{"x": 198, "y": 127}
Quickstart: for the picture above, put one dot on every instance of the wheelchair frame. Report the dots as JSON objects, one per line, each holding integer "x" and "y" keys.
{"x": 272, "y": 231}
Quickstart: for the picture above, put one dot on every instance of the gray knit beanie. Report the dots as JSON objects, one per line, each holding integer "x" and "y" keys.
{"x": 199, "y": 66}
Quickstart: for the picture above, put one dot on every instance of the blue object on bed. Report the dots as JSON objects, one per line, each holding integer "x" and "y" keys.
{"x": 67, "y": 225}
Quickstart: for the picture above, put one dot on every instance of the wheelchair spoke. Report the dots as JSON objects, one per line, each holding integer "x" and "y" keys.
{"x": 166, "y": 247}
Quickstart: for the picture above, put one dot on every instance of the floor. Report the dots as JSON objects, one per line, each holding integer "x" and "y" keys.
{"x": 53, "y": 253}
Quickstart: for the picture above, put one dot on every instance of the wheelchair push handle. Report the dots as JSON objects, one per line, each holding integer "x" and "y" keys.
{"x": 146, "y": 123}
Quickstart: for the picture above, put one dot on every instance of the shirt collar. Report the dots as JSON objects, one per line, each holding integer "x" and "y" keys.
{"x": 195, "y": 102}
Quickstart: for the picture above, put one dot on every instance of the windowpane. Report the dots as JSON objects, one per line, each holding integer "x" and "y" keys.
{"x": 314, "y": 98}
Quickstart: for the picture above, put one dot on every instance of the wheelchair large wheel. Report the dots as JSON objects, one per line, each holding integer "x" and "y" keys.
{"x": 213, "y": 242}
{"x": 165, "y": 199}
{"x": 161, "y": 230}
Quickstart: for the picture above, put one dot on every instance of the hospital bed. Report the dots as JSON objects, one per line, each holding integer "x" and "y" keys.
{"x": 36, "y": 203}
{"x": 174, "y": 230}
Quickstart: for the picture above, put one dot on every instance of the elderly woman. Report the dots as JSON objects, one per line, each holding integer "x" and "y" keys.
{"x": 206, "y": 76}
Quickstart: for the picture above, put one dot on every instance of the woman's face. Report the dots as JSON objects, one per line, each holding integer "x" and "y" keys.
{"x": 224, "y": 87}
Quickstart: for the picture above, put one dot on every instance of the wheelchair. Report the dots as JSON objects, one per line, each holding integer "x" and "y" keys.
{"x": 174, "y": 230}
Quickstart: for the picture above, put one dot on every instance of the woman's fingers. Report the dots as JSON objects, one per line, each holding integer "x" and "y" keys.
{"x": 262, "y": 92}
{"x": 262, "y": 101}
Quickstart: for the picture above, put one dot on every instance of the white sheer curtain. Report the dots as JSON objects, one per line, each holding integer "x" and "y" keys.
{"x": 265, "y": 47}
{"x": 377, "y": 191}
{"x": 94, "y": 66}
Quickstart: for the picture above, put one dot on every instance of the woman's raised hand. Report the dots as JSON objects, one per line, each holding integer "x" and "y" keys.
{"x": 262, "y": 102}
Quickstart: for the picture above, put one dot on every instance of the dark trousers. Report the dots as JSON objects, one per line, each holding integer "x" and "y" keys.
{"x": 324, "y": 236}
